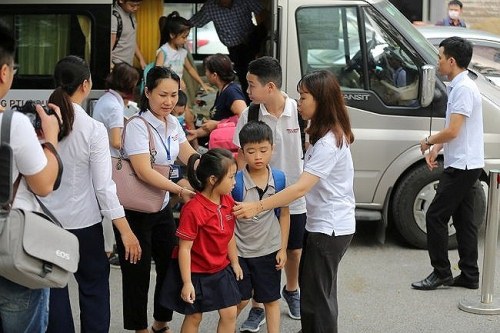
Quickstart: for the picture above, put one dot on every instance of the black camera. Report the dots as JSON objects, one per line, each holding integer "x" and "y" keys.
{"x": 29, "y": 109}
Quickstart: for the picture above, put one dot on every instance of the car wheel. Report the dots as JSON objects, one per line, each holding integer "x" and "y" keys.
{"x": 412, "y": 198}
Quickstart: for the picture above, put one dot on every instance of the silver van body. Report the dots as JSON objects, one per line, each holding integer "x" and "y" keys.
{"x": 392, "y": 182}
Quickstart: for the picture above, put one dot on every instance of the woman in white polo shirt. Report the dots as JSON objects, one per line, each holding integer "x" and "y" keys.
{"x": 327, "y": 184}
{"x": 86, "y": 194}
{"x": 156, "y": 231}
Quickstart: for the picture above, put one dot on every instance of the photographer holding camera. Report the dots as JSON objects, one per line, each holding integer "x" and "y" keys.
{"x": 23, "y": 309}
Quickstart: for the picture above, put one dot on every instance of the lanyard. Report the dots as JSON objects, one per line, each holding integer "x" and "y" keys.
{"x": 167, "y": 149}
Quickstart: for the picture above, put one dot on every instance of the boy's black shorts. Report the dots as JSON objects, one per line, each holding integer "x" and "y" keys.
{"x": 261, "y": 276}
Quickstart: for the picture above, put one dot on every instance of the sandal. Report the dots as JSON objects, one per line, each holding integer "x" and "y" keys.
{"x": 161, "y": 330}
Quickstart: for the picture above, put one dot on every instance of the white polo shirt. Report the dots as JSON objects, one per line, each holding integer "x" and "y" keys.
{"x": 330, "y": 203}
{"x": 287, "y": 153}
{"x": 87, "y": 191}
{"x": 29, "y": 159}
{"x": 166, "y": 139}
{"x": 109, "y": 110}
{"x": 466, "y": 151}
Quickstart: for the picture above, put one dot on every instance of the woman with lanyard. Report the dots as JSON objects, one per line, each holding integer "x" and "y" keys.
{"x": 155, "y": 231}
{"x": 229, "y": 101}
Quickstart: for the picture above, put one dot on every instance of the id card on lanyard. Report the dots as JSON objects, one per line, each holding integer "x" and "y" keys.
{"x": 175, "y": 170}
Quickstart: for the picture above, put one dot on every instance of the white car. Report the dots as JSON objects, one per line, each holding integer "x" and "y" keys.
{"x": 486, "y": 54}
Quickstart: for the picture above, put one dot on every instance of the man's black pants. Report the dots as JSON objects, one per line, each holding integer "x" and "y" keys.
{"x": 454, "y": 198}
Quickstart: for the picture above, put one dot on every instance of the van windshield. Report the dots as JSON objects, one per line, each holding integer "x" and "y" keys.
{"x": 387, "y": 9}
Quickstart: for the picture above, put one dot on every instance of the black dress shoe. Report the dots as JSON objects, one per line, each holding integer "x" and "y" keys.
{"x": 460, "y": 281}
{"x": 432, "y": 282}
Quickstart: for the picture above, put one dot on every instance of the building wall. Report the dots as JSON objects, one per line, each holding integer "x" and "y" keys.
{"x": 482, "y": 14}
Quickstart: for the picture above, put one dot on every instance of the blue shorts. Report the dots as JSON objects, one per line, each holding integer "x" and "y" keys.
{"x": 297, "y": 229}
{"x": 261, "y": 276}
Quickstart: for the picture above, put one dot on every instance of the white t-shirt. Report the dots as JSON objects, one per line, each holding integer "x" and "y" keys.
{"x": 330, "y": 203}
{"x": 287, "y": 153}
{"x": 466, "y": 151}
{"x": 166, "y": 139}
{"x": 174, "y": 58}
{"x": 87, "y": 190}
{"x": 109, "y": 111}
{"x": 29, "y": 159}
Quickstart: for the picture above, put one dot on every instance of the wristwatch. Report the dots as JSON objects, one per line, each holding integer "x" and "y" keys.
{"x": 427, "y": 141}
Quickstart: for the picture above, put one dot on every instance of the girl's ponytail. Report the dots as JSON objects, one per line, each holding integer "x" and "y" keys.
{"x": 191, "y": 172}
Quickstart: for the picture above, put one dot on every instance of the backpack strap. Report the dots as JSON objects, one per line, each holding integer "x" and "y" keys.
{"x": 279, "y": 184}
{"x": 253, "y": 112}
{"x": 119, "y": 27}
{"x": 237, "y": 191}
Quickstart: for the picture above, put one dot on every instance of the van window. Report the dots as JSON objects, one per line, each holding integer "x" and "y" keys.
{"x": 44, "y": 39}
{"x": 392, "y": 69}
{"x": 329, "y": 39}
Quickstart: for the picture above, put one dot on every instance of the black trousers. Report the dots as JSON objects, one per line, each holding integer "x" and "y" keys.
{"x": 156, "y": 234}
{"x": 92, "y": 277}
{"x": 319, "y": 264}
{"x": 454, "y": 198}
{"x": 241, "y": 55}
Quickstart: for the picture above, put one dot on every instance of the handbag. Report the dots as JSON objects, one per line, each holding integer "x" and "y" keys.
{"x": 133, "y": 193}
{"x": 35, "y": 251}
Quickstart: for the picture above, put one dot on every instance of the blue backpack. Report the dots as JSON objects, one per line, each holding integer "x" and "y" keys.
{"x": 279, "y": 183}
{"x": 146, "y": 70}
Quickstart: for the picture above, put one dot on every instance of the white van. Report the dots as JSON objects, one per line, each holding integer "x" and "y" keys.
{"x": 358, "y": 40}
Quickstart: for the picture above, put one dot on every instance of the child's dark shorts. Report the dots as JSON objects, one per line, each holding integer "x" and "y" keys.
{"x": 261, "y": 276}
{"x": 213, "y": 291}
{"x": 297, "y": 229}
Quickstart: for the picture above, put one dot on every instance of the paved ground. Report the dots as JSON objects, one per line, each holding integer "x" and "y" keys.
{"x": 374, "y": 294}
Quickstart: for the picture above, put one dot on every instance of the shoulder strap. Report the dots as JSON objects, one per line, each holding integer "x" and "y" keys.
{"x": 279, "y": 179}
{"x": 6, "y": 161}
{"x": 6, "y": 121}
{"x": 279, "y": 183}
{"x": 253, "y": 112}
{"x": 152, "y": 147}
{"x": 237, "y": 191}
{"x": 119, "y": 27}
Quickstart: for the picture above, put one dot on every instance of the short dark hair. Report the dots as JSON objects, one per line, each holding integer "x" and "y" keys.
{"x": 182, "y": 101}
{"x": 267, "y": 69}
{"x": 456, "y": 2}
{"x": 7, "y": 44}
{"x": 220, "y": 64}
{"x": 458, "y": 48}
{"x": 123, "y": 78}
{"x": 255, "y": 131}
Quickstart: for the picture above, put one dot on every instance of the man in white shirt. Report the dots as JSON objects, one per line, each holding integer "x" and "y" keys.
{"x": 23, "y": 309}
{"x": 463, "y": 143}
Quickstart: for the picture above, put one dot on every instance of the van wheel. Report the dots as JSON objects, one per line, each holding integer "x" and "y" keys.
{"x": 412, "y": 198}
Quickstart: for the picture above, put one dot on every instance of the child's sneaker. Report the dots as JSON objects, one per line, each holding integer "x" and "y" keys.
{"x": 292, "y": 298}
{"x": 256, "y": 318}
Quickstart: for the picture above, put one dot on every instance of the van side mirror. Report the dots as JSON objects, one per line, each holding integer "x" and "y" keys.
{"x": 428, "y": 85}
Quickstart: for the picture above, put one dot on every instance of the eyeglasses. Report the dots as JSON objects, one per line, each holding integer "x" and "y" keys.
{"x": 15, "y": 68}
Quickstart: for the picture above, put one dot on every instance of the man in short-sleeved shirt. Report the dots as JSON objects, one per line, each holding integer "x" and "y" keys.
{"x": 124, "y": 43}
{"x": 463, "y": 144}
